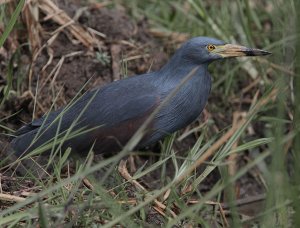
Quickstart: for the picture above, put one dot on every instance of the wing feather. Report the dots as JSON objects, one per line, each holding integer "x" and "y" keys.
{"x": 108, "y": 106}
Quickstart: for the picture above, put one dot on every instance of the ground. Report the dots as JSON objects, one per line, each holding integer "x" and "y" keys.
{"x": 56, "y": 66}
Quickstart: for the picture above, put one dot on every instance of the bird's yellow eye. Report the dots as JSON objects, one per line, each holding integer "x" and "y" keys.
{"x": 211, "y": 47}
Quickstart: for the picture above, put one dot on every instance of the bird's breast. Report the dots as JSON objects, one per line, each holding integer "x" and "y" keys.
{"x": 184, "y": 107}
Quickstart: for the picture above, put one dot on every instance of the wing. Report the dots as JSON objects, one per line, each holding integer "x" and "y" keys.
{"x": 109, "y": 106}
{"x": 119, "y": 101}
{"x": 125, "y": 101}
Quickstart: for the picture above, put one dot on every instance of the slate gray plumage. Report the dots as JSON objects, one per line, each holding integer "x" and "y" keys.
{"x": 111, "y": 114}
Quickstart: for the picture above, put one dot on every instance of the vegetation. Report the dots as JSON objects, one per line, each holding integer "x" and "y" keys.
{"x": 250, "y": 135}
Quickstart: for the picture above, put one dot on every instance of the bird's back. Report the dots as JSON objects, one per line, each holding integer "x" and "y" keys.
{"x": 120, "y": 107}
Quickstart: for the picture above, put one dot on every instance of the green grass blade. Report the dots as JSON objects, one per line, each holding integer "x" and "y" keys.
{"x": 12, "y": 22}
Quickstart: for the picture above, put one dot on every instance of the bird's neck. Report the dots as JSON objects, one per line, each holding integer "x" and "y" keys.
{"x": 178, "y": 68}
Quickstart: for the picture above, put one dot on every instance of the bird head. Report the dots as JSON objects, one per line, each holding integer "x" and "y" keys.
{"x": 202, "y": 50}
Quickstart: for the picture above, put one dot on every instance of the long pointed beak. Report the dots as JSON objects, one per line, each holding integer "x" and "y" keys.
{"x": 231, "y": 50}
